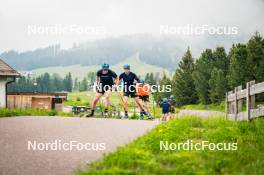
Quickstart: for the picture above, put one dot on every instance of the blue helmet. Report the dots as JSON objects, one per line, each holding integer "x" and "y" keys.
{"x": 105, "y": 66}
{"x": 171, "y": 97}
{"x": 164, "y": 99}
{"x": 126, "y": 66}
{"x": 141, "y": 80}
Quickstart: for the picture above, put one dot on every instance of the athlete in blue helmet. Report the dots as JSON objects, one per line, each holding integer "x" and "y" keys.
{"x": 172, "y": 102}
{"x": 165, "y": 106}
{"x": 104, "y": 84}
{"x": 129, "y": 80}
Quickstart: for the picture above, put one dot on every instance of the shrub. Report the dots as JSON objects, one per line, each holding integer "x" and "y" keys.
{"x": 53, "y": 113}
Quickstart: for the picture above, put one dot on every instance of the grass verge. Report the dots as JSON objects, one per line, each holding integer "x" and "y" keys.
{"x": 143, "y": 156}
{"x": 212, "y": 107}
{"x": 30, "y": 112}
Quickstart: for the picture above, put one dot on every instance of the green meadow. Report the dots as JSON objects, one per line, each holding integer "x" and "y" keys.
{"x": 143, "y": 156}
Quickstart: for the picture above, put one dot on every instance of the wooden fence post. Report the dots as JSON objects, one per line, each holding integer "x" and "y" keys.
{"x": 239, "y": 101}
{"x": 252, "y": 97}
{"x": 248, "y": 101}
{"x": 235, "y": 104}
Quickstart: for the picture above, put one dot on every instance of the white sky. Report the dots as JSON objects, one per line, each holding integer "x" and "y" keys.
{"x": 119, "y": 17}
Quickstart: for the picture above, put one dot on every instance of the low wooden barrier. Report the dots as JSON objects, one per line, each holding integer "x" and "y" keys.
{"x": 234, "y": 102}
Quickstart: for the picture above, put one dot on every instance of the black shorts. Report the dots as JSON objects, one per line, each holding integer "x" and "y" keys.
{"x": 165, "y": 111}
{"x": 103, "y": 89}
{"x": 130, "y": 94}
{"x": 172, "y": 109}
{"x": 144, "y": 98}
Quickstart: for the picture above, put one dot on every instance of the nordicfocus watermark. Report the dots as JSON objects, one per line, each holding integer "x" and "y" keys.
{"x": 131, "y": 88}
{"x": 59, "y": 29}
{"x": 190, "y": 145}
{"x": 59, "y": 145}
{"x": 191, "y": 29}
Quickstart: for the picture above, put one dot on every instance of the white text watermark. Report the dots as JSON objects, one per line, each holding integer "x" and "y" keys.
{"x": 59, "y": 145}
{"x": 191, "y": 29}
{"x": 59, "y": 29}
{"x": 190, "y": 145}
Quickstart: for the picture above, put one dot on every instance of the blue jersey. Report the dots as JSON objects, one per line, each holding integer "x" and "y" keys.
{"x": 165, "y": 107}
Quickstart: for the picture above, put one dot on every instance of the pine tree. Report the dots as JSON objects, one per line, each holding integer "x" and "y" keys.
{"x": 165, "y": 81}
{"x": 91, "y": 77}
{"x": 255, "y": 48}
{"x": 217, "y": 85}
{"x": 84, "y": 85}
{"x": 220, "y": 59}
{"x": 202, "y": 74}
{"x": 151, "y": 79}
{"x": 239, "y": 69}
{"x": 68, "y": 83}
{"x": 147, "y": 78}
{"x": 46, "y": 83}
{"x": 76, "y": 84}
{"x": 182, "y": 83}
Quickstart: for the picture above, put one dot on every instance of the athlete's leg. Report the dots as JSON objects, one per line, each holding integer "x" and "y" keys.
{"x": 146, "y": 106}
{"x": 137, "y": 100}
{"x": 107, "y": 98}
{"x": 94, "y": 102}
{"x": 125, "y": 98}
{"x": 96, "y": 99}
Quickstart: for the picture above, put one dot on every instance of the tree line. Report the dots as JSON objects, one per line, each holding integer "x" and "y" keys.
{"x": 206, "y": 79}
{"x": 55, "y": 83}
{"x": 46, "y": 83}
{"x": 203, "y": 80}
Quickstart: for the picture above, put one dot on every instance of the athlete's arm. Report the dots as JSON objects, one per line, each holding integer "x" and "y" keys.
{"x": 136, "y": 78}
{"x": 117, "y": 81}
{"x": 97, "y": 80}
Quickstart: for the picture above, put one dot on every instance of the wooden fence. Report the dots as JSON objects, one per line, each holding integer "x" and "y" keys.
{"x": 235, "y": 99}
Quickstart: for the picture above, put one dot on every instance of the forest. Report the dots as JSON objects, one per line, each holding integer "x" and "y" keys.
{"x": 207, "y": 79}
{"x": 204, "y": 80}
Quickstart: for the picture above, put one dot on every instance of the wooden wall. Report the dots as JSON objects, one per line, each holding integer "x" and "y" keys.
{"x": 36, "y": 101}
{"x": 19, "y": 101}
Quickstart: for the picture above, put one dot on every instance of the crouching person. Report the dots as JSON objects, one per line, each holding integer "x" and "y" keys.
{"x": 143, "y": 91}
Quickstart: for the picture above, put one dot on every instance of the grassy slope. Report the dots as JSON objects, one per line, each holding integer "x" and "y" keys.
{"x": 144, "y": 157}
{"x": 212, "y": 107}
{"x": 80, "y": 71}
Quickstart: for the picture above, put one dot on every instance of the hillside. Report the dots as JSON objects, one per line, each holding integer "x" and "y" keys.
{"x": 111, "y": 50}
{"x": 80, "y": 71}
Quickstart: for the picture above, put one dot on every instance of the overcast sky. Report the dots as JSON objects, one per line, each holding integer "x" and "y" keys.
{"x": 106, "y": 18}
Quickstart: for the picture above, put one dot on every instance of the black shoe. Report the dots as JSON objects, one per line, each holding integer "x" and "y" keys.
{"x": 90, "y": 115}
{"x": 141, "y": 117}
{"x": 125, "y": 116}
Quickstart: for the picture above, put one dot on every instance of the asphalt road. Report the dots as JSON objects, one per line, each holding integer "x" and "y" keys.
{"x": 16, "y": 134}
